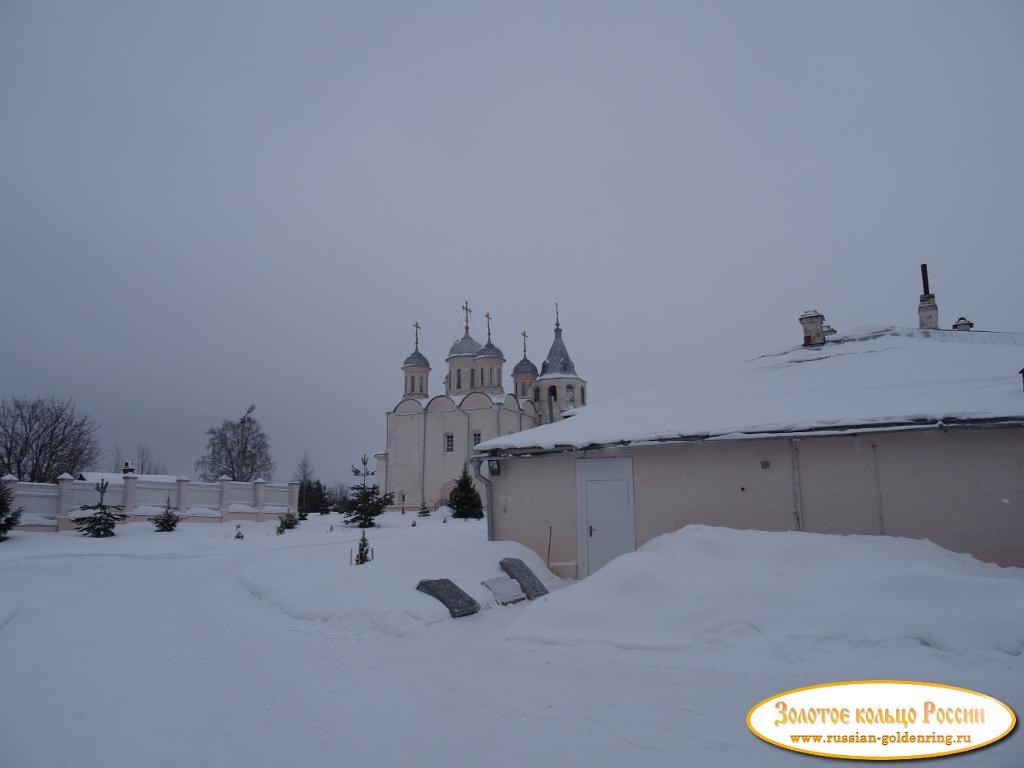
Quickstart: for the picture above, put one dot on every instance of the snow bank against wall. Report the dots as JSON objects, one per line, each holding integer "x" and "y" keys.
{"x": 705, "y": 585}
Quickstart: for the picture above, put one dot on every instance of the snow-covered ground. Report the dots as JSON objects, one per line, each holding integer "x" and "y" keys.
{"x": 193, "y": 649}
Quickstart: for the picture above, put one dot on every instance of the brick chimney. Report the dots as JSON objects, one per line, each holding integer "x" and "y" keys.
{"x": 927, "y": 309}
{"x": 813, "y": 323}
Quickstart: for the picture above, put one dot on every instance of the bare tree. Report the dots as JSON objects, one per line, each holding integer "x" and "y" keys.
{"x": 305, "y": 472}
{"x": 147, "y": 463}
{"x": 117, "y": 460}
{"x": 41, "y": 438}
{"x": 238, "y": 449}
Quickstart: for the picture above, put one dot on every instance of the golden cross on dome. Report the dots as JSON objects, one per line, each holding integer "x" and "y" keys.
{"x": 488, "y": 316}
{"x": 524, "y": 334}
{"x": 467, "y": 310}
{"x": 416, "y": 325}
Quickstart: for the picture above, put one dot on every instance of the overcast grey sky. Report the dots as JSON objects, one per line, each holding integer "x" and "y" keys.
{"x": 210, "y": 204}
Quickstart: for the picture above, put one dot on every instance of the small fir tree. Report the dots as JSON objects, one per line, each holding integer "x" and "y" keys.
{"x": 166, "y": 520}
{"x": 339, "y": 499}
{"x": 313, "y": 497}
{"x": 8, "y": 517}
{"x": 326, "y": 500}
{"x": 100, "y": 524}
{"x": 464, "y": 499}
{"x": 363, "y": 553}
{"x": 424, "y": 511}
{"x": 366, "y": 501}
{"x": 287, "y": 521}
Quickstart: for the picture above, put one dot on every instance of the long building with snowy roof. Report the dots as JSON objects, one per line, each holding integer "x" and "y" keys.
{"x": 914, "y": 432}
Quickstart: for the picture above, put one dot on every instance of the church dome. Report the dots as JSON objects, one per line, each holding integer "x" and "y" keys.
{"x": 416, "y": 358}
{"x": 489, "y": 350}
{"x": 467, "y": 345}
{"x": 524, "y": 366}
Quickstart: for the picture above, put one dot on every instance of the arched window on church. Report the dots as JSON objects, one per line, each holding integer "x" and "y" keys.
{"x": 536, "y": 394}
{"x": 570, "y": 393}
{"x": 472, "y": 378}
{"x": 421, "y": 383}
{"x": 458, "y": 378}
{"x": 583, "y": 395}
{"x": 552, "y": 393}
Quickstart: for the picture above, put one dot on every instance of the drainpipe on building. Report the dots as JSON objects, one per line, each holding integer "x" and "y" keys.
{"x": 476, "y": 461}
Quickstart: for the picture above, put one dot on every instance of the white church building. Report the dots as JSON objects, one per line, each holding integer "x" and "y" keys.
{"x": 430, "y": 438}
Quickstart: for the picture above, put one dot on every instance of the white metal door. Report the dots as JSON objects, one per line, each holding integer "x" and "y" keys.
{"x": 604, "y": 511}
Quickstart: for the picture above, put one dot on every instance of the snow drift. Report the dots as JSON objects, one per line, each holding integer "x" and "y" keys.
{"x": 705, "y": 585}
{"x": 318, "y": 584}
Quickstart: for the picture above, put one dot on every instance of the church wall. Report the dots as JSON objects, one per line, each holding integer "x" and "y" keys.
{"x": 508, "y": 422}
{"x": 442, "y": 467}
{"x": 482, "y": 420}
{"x": 404, "y": 467}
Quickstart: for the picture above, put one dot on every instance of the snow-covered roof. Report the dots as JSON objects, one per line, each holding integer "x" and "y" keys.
{"x": 874, "y": 378}
{"x": 116, "y": 478}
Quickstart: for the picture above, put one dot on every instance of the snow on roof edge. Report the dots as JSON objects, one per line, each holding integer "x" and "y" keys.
{"x": 872, "y": 379}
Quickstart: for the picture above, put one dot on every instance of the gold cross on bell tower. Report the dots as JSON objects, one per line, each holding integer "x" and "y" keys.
{"x": 467, "y": 310}
{"x": 524, "y": 334}
{"x": 488, "y": 316}
{"x": 416, "y": 325}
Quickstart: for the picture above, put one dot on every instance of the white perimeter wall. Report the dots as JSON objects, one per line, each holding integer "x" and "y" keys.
{"x": 46, "y": 506}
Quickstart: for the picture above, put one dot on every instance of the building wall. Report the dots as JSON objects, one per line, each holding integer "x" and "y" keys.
{"x": 837, "y": 484}
{"x": 962, "y": 489}
{"x": 533, "y": 495}
{"x": 715, "y": 484}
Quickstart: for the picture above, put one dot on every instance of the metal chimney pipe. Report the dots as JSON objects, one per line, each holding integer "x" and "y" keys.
{"x": 924, "y": 279}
